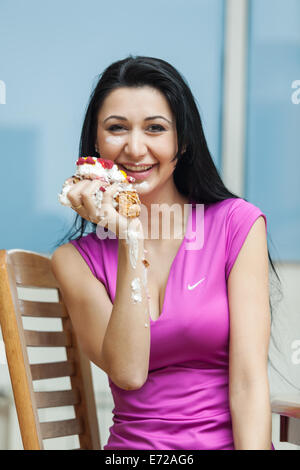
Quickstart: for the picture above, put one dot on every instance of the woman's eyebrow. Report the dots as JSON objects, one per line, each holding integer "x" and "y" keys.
{"x": 150, "y": 118}
{"x": 157, "y": 117}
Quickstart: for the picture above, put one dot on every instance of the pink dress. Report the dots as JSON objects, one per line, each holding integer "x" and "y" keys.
{"x": 184, "y": 404}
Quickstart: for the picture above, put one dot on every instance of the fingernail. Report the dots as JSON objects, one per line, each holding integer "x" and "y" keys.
{"x": 102, "y": 188}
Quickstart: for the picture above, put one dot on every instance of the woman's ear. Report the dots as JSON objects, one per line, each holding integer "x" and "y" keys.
{"x": 183, "y": 150}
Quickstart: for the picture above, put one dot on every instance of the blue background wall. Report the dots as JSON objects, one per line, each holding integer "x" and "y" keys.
{"x": 50, "y": 56}
{"x": 273, "y": 157}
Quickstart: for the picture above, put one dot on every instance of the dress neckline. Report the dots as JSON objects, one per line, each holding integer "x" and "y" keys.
{"x": 182, "y": 244}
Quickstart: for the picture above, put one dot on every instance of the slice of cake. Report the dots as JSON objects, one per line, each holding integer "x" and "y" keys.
{"x": 126, "y": 198}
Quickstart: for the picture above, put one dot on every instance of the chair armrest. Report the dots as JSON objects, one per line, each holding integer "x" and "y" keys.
{"x": 286, "y": 405}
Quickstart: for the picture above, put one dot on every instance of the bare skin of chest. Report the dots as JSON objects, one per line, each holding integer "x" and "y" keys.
{"x": 157, "y": 275}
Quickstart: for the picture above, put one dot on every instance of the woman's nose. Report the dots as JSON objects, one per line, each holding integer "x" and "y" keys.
{"x": 136, "y": 145}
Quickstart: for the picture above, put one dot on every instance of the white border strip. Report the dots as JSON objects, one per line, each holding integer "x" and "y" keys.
{"x": 234, "y": 98}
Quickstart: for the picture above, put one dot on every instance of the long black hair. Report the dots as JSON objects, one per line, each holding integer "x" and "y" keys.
{"x": 195, "y": 174}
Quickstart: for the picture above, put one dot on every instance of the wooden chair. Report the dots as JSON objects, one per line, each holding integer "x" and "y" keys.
{"x": 288, "y": 407}
{"x": 24, "y": 268}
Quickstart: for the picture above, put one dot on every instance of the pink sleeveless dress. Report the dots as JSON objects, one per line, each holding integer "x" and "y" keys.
{"x": 184, "y": 404}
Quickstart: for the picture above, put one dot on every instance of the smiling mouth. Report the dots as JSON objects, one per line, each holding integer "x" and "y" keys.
{"x": 137, "y": 173}
{"x": 138, "y": 168}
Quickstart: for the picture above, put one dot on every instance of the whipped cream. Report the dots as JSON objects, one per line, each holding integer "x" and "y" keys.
{"x": 62, "y": 197}
{"x": 132, "y": 238}
{"x": 141, "y": 186}
{"x": 111, "y": 175}
{"x": 136, "y": 293}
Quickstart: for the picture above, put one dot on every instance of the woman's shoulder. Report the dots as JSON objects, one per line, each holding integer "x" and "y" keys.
{"x": 96, "y": 251}
{"x": 219, "y": 210}
{"x": 230, "y": 205}
{"x": 103, "y": 239}
{"x": 232, "y": 213}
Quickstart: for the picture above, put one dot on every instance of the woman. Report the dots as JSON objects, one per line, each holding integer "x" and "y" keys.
{"x": 197, "y": 377}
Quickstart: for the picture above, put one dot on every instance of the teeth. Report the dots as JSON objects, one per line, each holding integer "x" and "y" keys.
{"x": 139, "y": 168}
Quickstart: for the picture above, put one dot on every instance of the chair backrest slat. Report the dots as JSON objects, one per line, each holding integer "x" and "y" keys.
{"x": 48, "y": 338}
{"x": 68, "y": 427}
{"x": 52, "y": 370}
{"x": 29, "y": 308}
{"x": 57, "y": 398}
{"x": 32, "y": 269}
{"x": 29, "y": 269}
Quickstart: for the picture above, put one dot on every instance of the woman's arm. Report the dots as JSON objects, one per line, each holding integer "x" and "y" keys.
{"x": 114, "y": 337}
{"x": 248, "y": 296}
{"x": 126, "y": 344}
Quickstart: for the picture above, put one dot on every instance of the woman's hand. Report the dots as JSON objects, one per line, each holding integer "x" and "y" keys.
{"x": 82, "y": 198}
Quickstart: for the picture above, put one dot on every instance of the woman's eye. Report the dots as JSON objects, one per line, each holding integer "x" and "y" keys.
{"x": 158, "y": 127}
{"x": 114, "y": 127}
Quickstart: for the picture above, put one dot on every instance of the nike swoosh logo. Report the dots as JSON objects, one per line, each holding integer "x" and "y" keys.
{"x": 193, "y": 287}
